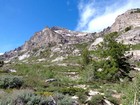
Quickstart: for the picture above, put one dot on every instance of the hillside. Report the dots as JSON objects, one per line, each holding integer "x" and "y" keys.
{"x": 57, "y": 66}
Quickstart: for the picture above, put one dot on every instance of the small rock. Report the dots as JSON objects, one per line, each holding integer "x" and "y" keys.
{"x": 62, "y": 64}
{"x": 82, "y": 86}
{"x": 100, "y": 70}
{"x": 108, "y": 102}
{"x": 76, "y": 52}
{"x": 40, "y": 60}
{"x": 51, "y": 80}
{"x": 12, "y": 70}
{"x": 58, "y": 59}
{"x": 92, "y": 93}
{"x": 75, "y": 97}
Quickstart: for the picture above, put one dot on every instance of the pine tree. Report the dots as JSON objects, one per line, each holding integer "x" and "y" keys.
{"x": 117, "y": 66}
{"x": 85, "y": 57}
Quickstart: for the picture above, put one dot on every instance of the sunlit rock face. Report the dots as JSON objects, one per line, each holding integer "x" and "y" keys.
{"x": 129, "y": 18}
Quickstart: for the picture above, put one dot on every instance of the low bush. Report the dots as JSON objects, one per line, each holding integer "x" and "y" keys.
{"x": 135, "y": 11}
{"x": 82, "y": 97}
{"x": 67, "y": 100}
{"x": 113, "y": 100}
{"x": 9, "y": 81}
{"x": 135, "y": 47}
{"x": 24, "y": 97}
{"x": 62, "y": 99}
{"x": 96, "y": 100}
{"x": 71, "y": 90}
{"x": 44, "y": 93}
{"x": 1, "y": 63}
{"x": 127, "y": 28}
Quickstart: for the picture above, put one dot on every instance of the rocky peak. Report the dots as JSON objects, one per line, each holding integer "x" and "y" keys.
{"x": 129, "y": 18}
{"x": 57, "y": 28}
{"x": 44, "y": 38}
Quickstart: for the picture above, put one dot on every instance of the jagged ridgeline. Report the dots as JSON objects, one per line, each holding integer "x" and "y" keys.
{"x": 58, "y": 66}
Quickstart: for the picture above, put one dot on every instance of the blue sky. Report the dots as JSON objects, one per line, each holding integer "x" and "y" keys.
{"x": 20, "y": 19}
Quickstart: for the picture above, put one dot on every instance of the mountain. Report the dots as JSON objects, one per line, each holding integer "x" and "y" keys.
{"x": 49, "y": 37}
{"x": 60, "y": 66}
{"x": 57, "y": 37}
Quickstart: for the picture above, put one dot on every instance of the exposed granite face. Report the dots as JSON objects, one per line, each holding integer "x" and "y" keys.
{"x": 44, "y": 38}
{"x": 54, "y": 36}
{"x": 129, "y": 18}
{"x": 130, "y": 37}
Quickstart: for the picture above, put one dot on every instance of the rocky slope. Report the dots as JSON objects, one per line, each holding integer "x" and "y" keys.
{"x": 129, "y": 18}
{"x": 127, "y": 25}
{"x": 57, "y": 38}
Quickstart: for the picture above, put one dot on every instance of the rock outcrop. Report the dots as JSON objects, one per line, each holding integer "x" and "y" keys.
{"x": 129, "y": 18}
{"x": 131, "y": 37}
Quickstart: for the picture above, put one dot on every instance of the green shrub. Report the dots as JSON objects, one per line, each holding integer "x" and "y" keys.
{"x": 85, "y": 57}
{"x": 1, "y": 63}
{"x": 9, "y": 81}
{"x": 58, "y": 96}
{"x": 114, "y": 65}
{"x": 135, "y": 11}
{"x": 96, "y": 100}
{"x": 65, "y": 101}
{"x": 135, "y": 47}
{"x": 81, "y": 45}
{"x": 88, "y": 75}
{"x": 82, "y": 97}
{"x": 24, "y": 97}
{"x": 113, "y": 100}
{"x": 71, "y": 91}
{"x": 127, "y": 28}
{"x": 62, "y": 99}
{"x": 27, "y": 97}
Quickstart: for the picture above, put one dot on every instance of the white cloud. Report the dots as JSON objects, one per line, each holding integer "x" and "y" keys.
{"x": 91, "y": 21}
{"x": 1, "y": 53}
{"x": 86, "y": 14}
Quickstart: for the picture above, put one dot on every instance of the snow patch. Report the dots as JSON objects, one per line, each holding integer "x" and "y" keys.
{"x": 23, "y": 56}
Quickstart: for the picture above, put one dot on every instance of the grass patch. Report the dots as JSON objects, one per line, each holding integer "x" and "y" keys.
{"x": 136, "y": 47}
{"x": 81, "y": 46}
